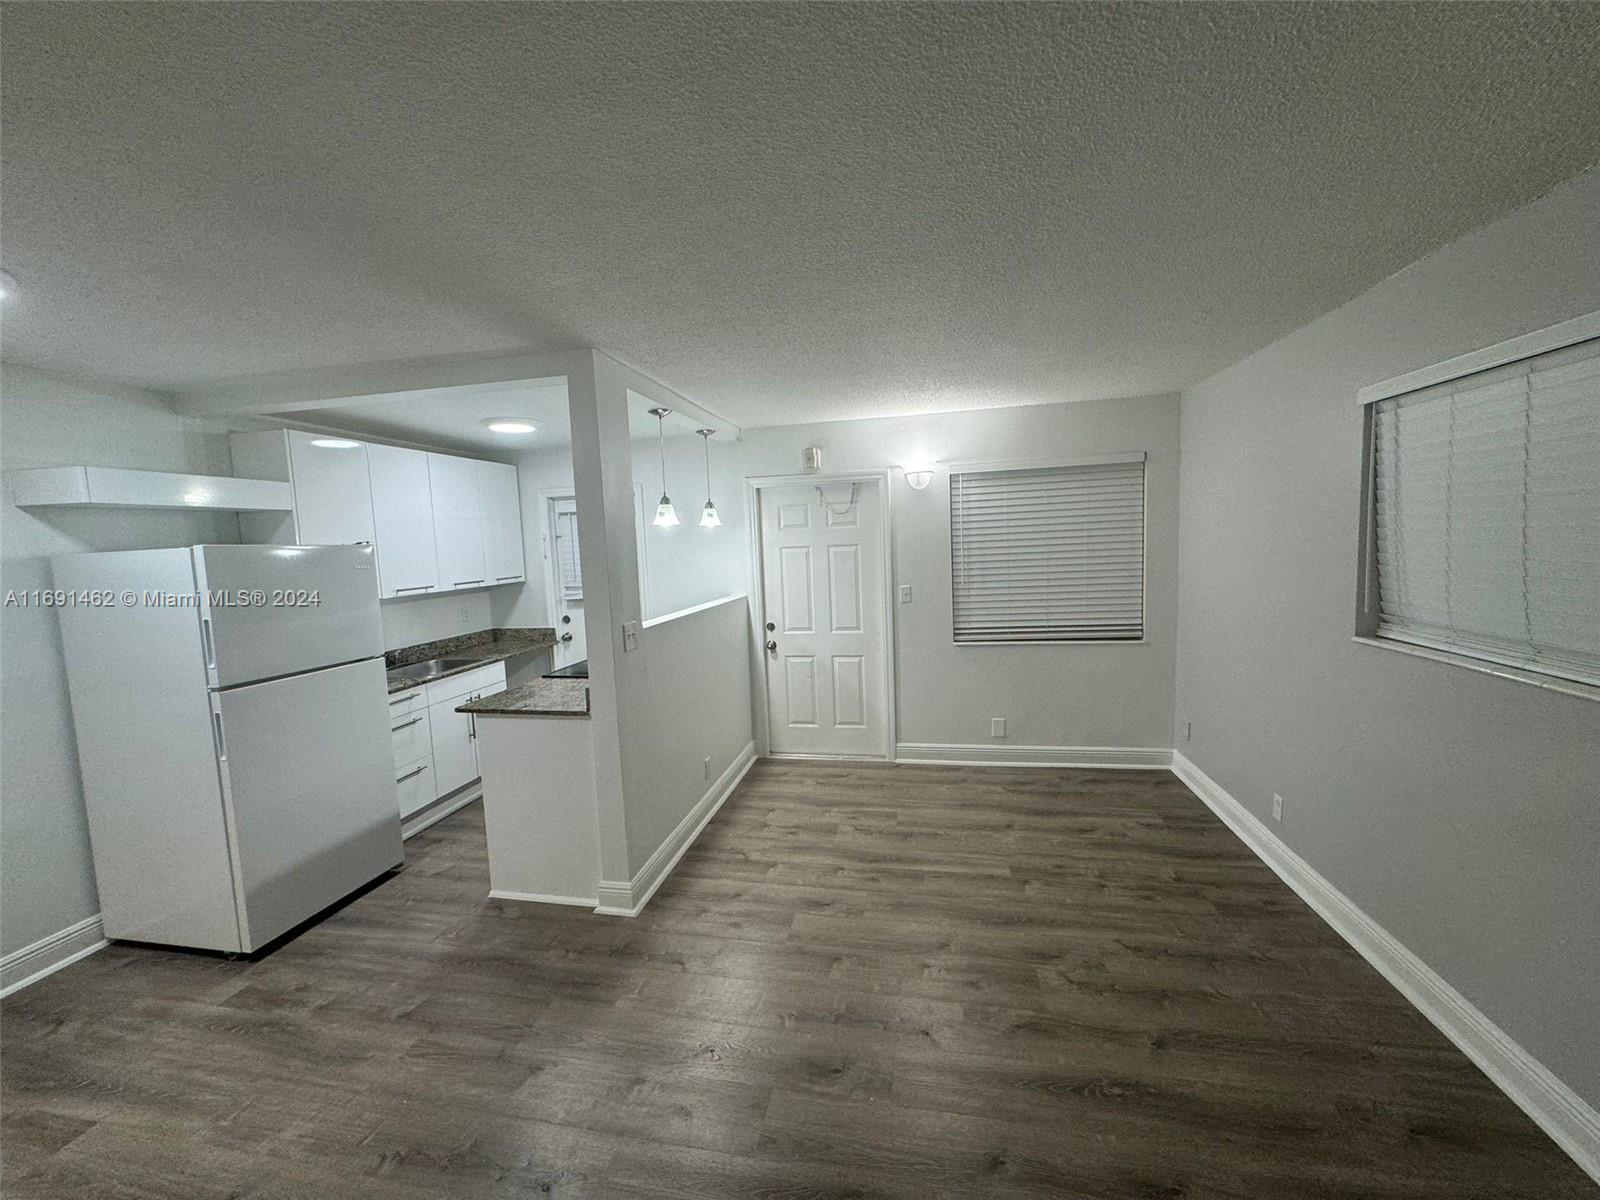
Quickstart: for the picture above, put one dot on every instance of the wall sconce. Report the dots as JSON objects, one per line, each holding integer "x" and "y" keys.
{"x": 919, "y": 475}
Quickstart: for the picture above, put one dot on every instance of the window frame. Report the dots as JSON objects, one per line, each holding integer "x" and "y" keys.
{"x": 1368, "y": 599}
{"x": 1044, "y": 464}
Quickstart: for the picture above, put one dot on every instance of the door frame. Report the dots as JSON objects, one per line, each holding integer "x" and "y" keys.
{"x": 547, "y": 497}
{"x": 753, "y": 485}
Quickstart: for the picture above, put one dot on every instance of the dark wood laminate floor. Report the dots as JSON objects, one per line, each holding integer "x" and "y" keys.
{"x": 862, "y": 981}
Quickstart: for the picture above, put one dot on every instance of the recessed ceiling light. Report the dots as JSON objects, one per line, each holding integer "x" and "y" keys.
{"x": 510, "y": 425}
{"x": 335, "y": 443}
{"x": 8, "y": 284}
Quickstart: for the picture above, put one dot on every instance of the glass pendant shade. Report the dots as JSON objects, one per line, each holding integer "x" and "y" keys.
{"x": 708, "y": 516}
{"x": 666, "y": 515}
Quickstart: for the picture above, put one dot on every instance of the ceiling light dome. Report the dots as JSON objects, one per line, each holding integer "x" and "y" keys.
{"x": 510, "y": 425}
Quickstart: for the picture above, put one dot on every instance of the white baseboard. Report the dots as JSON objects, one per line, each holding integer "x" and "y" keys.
{"x": 541, "y": 898}
{"x": 1557, "y": 1109}
{"x": 49, "y": 954}
{"x": 627, "y": 899}
{"x": 415, "y": 824}
{"x": 1120, "y": 758}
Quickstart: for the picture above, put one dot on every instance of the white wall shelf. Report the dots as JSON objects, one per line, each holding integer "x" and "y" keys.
{"x": 118, "y": 487}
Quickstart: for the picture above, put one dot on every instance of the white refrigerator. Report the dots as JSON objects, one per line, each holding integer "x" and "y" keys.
{"x": 231, "y": 714}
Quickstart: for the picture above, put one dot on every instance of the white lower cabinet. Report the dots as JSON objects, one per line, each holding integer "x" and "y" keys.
{"x": 455, "y": 757}
{"x": 415, "y": 786}
{"x": 436, "y": 747}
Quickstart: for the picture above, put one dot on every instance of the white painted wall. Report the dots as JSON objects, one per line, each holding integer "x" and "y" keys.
{"x": 412, "y": 619}
{"x": 46, "y": 873}
{"x": 1059, "y": 695}
{"x": 1460, "y": 810}
{"x": 689, "y": 701}
{"x": 685, "y": 565}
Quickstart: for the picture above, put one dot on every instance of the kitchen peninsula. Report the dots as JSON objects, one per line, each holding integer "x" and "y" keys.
{"x": 536, "y": 754}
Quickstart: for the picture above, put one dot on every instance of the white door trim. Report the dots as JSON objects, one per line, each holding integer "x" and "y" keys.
{"x": 757, "y": 585}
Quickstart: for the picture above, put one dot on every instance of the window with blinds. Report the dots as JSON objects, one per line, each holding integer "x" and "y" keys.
{"x": 1049, "y": 554}
{"x": 1486, "y": 514}
{"x": 569, "y": 575}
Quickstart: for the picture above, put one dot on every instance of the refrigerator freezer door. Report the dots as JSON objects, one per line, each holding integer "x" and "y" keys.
{"x": 308, "y": 780}
{"x": 269, "y": 611}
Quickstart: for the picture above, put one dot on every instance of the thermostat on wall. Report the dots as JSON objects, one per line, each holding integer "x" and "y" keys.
{"x": 811, "y": 458}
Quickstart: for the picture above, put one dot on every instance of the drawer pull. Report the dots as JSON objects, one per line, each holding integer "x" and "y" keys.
{"x": 409, "y": 774}
{"x": 405, "y": 724}
{"x": 415, "y": 694}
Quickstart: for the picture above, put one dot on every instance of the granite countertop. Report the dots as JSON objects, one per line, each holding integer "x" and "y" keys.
{"x": 466, "y": 652}
{"x": 540, "y": 698}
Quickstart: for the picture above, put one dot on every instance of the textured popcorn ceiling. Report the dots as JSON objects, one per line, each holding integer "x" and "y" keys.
{"x": 787, "y": 212}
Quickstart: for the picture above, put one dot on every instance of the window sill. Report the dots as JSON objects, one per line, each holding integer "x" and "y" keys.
{"x": 1550, "y": 683}
{"x": 1063, "y": 642}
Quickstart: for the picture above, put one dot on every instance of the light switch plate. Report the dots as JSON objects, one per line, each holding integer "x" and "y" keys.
{"x": 997, "y": 727}
{"x": 905, "y": 593}
{"x": 630, "y": 636}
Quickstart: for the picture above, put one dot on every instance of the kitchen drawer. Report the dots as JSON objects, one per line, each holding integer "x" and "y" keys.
{"x": 412, "y": 738}
{"x": 415, "y": 787}
{"x": 407, "y": 704}
{"x": 479, "y": 680}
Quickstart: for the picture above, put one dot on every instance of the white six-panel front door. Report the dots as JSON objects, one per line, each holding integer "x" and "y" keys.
{"x": 822, "y": 624}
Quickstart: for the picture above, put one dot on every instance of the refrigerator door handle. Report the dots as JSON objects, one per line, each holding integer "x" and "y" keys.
{"x": 208, "y": 645}
{"x": 217, "y": 735}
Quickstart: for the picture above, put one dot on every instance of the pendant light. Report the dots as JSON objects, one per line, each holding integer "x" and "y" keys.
{"x": 666, "y": 515}
{"x": 708, "y": 515}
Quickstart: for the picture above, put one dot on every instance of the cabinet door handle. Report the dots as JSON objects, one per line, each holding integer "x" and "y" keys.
{"x": 403, "y": 700}
{"x": 464, "y": 582}
{"x": 405, "y": 724}
{"x": 421, "y": 587}
{"x": 409, "y": 774}
{"x": 506, "y": 578}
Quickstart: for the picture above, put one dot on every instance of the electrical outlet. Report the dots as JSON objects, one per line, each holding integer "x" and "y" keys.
{"x": 630, "y": 636}
{"x": 905, "y": 593}
{"x": 466, "y": 612}
{"x": 708, "y": 767}
{"x": 997, "y": 727}
{"x": 1277, "y": 808}
{"x": 1188, "y": 730}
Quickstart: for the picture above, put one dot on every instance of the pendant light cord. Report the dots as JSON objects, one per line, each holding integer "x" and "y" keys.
{"x": 661, "y": 428}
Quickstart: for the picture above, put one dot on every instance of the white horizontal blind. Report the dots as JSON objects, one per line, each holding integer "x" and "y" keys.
{"x": 1487, "y": 505}
{"x": 1048, "y": 554}
{"x": 568, "y": 572}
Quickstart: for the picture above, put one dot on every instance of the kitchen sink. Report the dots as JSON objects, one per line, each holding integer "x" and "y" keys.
{"x": 434, "y": 666}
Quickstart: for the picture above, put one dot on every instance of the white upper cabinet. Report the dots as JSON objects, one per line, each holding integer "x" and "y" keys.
{"x": 440, "y": 522}
{"x": 457, "y": 521}
{"x": 501, "y": 504}
{"x": 402, "y": 513}
{"x": 332, "y": 499}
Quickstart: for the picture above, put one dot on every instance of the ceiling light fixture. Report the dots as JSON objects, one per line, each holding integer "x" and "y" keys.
{"x": 8, "y": 283}
{"x": 336, "y": 443}
{"x": 511, "y": 425}
{"x": 708, "y": 515}
{"x": 666, "y": 515}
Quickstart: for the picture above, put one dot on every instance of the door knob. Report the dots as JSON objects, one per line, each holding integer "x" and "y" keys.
{"x": 770, "y": 626}
{"x": 566, "y": 637}
{"x": 772, "y": 647}
{"x": 566, "y": 619}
